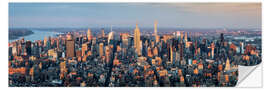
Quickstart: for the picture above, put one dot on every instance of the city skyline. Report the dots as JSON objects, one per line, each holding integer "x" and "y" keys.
{"x": 183, "y": 15}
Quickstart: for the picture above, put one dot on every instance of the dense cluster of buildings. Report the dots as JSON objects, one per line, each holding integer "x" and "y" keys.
{"x": 181, "y": 59}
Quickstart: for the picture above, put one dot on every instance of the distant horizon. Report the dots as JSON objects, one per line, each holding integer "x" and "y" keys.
{"x": 124, "y": 28}
{"x": 173, "y": 15}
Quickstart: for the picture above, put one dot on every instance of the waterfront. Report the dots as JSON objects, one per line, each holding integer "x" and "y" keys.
{"x": 38, "y": 35}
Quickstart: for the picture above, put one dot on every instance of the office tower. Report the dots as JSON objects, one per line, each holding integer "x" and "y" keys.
{"x": 102, "y": 33}
{"x": 181, "y": 35}
{"x": 155, "y": 28}
{"x": 137, "y": 40}
{"x": 157, "y": 37}
{"x": 195, "y": 47}
{"x": 57, "y": 43}
{"x": 89, "y": 34}
{"x": 14, "y": 49}
{"x": 155, "y": 51}
{"x": 221, "y": 39}
{"x": 242, "y": 50}
{"x": 101, "y": 49}
{"x": 70, "y": 46}
{"x": 78, "y": 53}
{"x": 84, "y": 48}
{"x": 124, "y": 37}
{"x": 52, "y": 54}
{"x": 149, "y": 52}
{"x": 110, "y": 36}
{"x": 63, "y": 69}
{"x": 171, "y": 53}
{"x": 186, "y": 37}
{"x": 28, "y": 47}
{"x": 19, "y": 50}
{"x": 177, "y": 34}
{"x": 212, "y": 50}
{"x": 181, "y": 51}
{"x": 107, "y": 54}
{"x": 228, "y": 65}
{"x": 45, "y": 41}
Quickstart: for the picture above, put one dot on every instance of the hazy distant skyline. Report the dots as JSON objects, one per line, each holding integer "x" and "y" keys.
{"x": 183, "y": 15}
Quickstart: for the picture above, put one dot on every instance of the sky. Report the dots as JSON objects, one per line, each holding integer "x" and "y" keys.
{"x": 182, "y": 15}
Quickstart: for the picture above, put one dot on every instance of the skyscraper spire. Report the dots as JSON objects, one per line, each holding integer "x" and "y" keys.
{"x": 155, "y": 28}
{"x": 137, "y": 25}
{"x": 137, "y": 39}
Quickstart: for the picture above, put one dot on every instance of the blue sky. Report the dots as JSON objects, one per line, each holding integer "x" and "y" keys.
{"x": 184, "y": 15}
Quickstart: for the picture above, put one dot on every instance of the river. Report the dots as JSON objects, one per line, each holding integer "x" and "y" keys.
{"x": 37, "y": 35}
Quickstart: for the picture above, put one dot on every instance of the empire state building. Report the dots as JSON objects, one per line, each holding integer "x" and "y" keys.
{"x": 137, "y": 40}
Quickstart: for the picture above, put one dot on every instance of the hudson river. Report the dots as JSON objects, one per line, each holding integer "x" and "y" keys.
{"x": 38, "y": 35}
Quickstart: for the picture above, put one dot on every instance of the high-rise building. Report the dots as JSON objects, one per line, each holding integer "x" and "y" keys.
{"x": 155, "y": 32}
{"x": 157, "y": 38}
{"x": 155, "y": 28}
{"x": 89, "y": 34}
{"x": 228, "y": 65}
{"x": 186, "y": 37}
{"x": 107, "y": 54}
{"x": 124, "y": 37}
{"x": 63, "y": 69}
{"x": 155, "y": 51}
{"x": 149, "y": 52}
{"x": 171, "y": 53}
{"x": 45, "y": 41}
{"x": 84, "y": 48}
{"x": 182, "y": 35}
{"x": 101, "y": 49}
{"x": 181, "y": 51}
{"x": 110, "y": 36}
{"x": 14, "y": 49}
{"x": 212, "y": 50}
{"x": 242, "y": 50}
{"x": 137, "y": 39}
{"x": 70, "y": 46}
{"x": 221, "y": 39}
{"x": 28, "y": 47}
{"x": 102, "y": 33}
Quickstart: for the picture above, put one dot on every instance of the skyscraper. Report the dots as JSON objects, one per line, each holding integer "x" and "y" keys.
{"x": 84, "y": 48}
{"x": 70, "y": 46}
{"x": 28, "y": 47}
{"x": 242, "y": 48}
{"x": 221, "y": 39}
{"x": 124, "y": 37}
{"x": 155, "y": 32}
{"x": 212, "y": 50}
{"x": 102, "y": 33}
{"x": 89, "y": 34}
{"x": 101, "y": 49}
{"x": 137, "y": 39}
{"x": 110, "y": 36}
{"x": 45, "y": 41}
{"x": 228, "y": 65}
{"x": 186, "y": 37}
{"x": 171, "y": 53}
{"x": 155, "y": 26}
